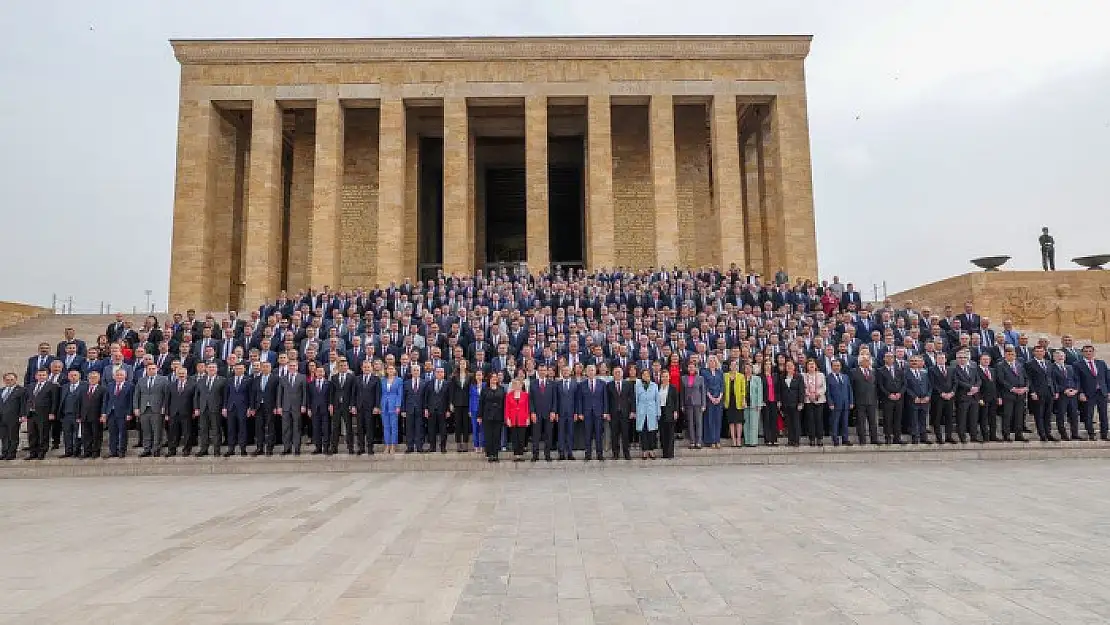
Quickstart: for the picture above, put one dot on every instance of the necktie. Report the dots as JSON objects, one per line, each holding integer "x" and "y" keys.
{"x": 320, "y": 384}
{"x": 38, "y": 387}
{"x": 7, "y": 391}
{"x": 209, "y": 383}
{"x": 150, "y": 382}
{"x": 119, "y": 388}
{"x": 1091, "y": 364}
{"x": 41, "y": 360}
{"x": 180, "y": 387}
{"x": 238, "y": 381}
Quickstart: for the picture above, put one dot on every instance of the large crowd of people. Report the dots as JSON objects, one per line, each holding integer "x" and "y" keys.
{"x": 552, "y": 363}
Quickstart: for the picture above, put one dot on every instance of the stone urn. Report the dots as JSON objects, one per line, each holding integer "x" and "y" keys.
{"x": 1092, "y": 262}
{"x": 990, "y": 263}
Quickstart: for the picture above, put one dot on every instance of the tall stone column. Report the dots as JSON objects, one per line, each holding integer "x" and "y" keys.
{"x": 262, "y": 249}
{"x": 727, "y": 199}
{"x": 323, "y": 229}
{"x": 753, "y": 204}
{"x": 789, "y": 121}
{"x": 300, "y": 200}
{"x": 458, "y": 221}
{"x": 770, "y": 200}
{"x": 599, "y": 167}
{"x": 194, "y": 191}
{"x": 391, "y": 191}
{"x": 663, "y": 178}
{"x": 535, "y": 155}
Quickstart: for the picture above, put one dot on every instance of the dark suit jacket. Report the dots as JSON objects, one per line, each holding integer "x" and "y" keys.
{"x": 1064, "y": 379}
{"x": 543, "y": 403}
{"x": 181, "y": 401}
{"x": 33, "y": 366}
{"x": 263, "y": 399}
{"x": 342, "y": 396}
{"x": 942, "y": 382}
{"x": 1040, "y": 380}
{"x": 622, "y": 398}
{"x": 1010, "y": 377}
{"x": 988, "y": 388}
{"x": 292, "y": 394}
{"x": 1092, "y": 384}
{"x": 71, "y": 400}
{"x": 595, "y": 403}
{"x": 117, "y": 405}
{"x": 920, "y": 388}
{"x": 319, "y": 397}
{"x": 864, "y": 390}
{"x": 43, "y": 404}
{"x": 413, "y": 401}
{"x": 792, "y": 394}
{"x": 368, "y": 395}
{"x": 437, "y": 402}
{"x": 964, "y": 381}
{"x": 238, "y": 399}
{"x": 839, "y": 394}
{"x": 889, "y": 383}
{"x": 566, "y": 400}
{"x": 12, "y": 409}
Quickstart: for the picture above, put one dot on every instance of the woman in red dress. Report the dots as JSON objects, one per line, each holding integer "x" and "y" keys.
{"x": 516, "y": 417}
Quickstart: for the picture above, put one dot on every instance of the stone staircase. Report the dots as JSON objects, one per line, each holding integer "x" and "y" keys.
{"x": 19, "y": 342}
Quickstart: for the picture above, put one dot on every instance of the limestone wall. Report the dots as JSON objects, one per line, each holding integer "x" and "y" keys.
{"x": 1057, "y": 302}
{"x": 13, "y": 313}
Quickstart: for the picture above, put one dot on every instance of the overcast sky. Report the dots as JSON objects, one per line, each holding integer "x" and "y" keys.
{"x": 942, "y": 130}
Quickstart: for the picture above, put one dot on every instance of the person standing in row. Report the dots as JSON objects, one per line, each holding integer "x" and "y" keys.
{"x": 92, "y": 428}
{"x": 208, "y": 400}
{"x": 115, "y": 413}
{"x": 478, "y": 439}
{"x": 517, "y": 416}
{"x": 179, "y": 416}
{"x": 753, "y": 405}
{"x": 150, "y": 402}
{"x": 791, "y": 393}
{"x": 647, "y": 413}
{"x": 693, "y": 403}
{"x": 392, "y": 395}
{"x": 668, "y": 414}
{"x": 815, "y": 402}
{"x": 412, "y": 408}
{"x": 736, "y": 393}
{"x": 594, "y": 402}
{"x": 292, "y": 400}
{"x": 714, "y": 407}
{"x": 491, "y": 416}
{"x": 542, "y": 397}
{"x": 841, "y": 401}
{"x": 437, "y": 405}
{"x": 460, "y": 402}
{"x": 319, "y": 396}
{"x": 237, "y": 403}
{"x": 769, "y": 415}
{"x": 622, "y": 406}
{"x": 11, "y": 411}
{"x": 569, "y": 408}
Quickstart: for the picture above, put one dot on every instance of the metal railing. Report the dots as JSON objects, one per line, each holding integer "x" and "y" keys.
{"x": 69, "y": 306}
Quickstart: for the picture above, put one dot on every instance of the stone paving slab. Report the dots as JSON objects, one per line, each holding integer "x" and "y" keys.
{"x": 470, "y": 461}
{"x": 955, "y": 542}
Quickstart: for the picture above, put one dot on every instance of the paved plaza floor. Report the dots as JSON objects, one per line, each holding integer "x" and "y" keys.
{"x": 960, "y": 542}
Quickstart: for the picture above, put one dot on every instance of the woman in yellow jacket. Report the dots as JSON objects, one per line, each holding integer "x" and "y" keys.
{"x": 736, "y": 391}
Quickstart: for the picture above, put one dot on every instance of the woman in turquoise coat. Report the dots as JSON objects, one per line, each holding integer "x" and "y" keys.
{"x": 753, "y": 407}
{"x": 647, "y": 412}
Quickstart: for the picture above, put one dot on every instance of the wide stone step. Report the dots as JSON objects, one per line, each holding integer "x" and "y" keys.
{"x": 470, "y": 461}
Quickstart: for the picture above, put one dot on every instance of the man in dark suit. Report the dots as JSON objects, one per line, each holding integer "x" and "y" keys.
{"x": 841, "y": 399}
{"x": 237, "y": 400}
{"x": 942, "y": 405}
{"x": 593, "y": 398}
{"x": 543, "y": 410}
{"x": 368, "y": 391}
{"x": 114, "y": 329}
{"x": 969, "y": 321}
{"x": 919, "y": 390}
{"x": 865, "y": 394}
{"x": 1065, "y": 383}
{"x": 412, "y": 409}
{"x": 292, "y": 399}
{"x": 1094, "y": 381}
{"x": 437, "y": 404}
{"x": 41, "y": 410}
{"x": 1013, "y": 385}
{"x": 341, "y": 407}
{"x": 622, "y": 406}
{"x": 71, "y": 337}
{"x": 990, "y": 402}
{"x": 264, "y": 409}
{"x": 208, "y": 402}
{"x": 180, "y": 412}
{"x": 115, "y": 413}
{"x": 70, "y": 406}
{"x": 41, "y": 360}
{"x": 319, "y": 392}
{"x": 891, "y": 386}
{"x": 1041, "y": 393}
{"x": 850, "y": 297}
{"x": 968, "y": 380}
{"x": 92, "y": 430}
{"x": 71, "y": 360}
{"x": 11, "y": 411}
{"x": 150, "y": 402}
{"x": 566, "y": 402}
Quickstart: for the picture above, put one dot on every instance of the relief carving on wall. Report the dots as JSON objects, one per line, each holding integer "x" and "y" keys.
{"x": 1024, "y": 307}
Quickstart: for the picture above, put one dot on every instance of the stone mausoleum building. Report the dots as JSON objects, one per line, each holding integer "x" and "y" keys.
{"x": 355, "y": 162}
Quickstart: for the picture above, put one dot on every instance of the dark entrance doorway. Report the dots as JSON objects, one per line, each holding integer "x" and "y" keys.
{"x": 506, "y": 216}
{"x": 566, "y": 202}
{"x": 429, "y": 219}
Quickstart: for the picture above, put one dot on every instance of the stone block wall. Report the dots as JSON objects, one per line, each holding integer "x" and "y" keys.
{"x": 633, "y": 191}
{"x": 358, "y": 227}
{"x": 695, "y": 200}
{"x": 1057, "y": 302}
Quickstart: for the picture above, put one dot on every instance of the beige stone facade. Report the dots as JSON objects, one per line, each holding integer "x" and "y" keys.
{"x": 356, "y": 162}
{"x": 1054, "y": 302}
